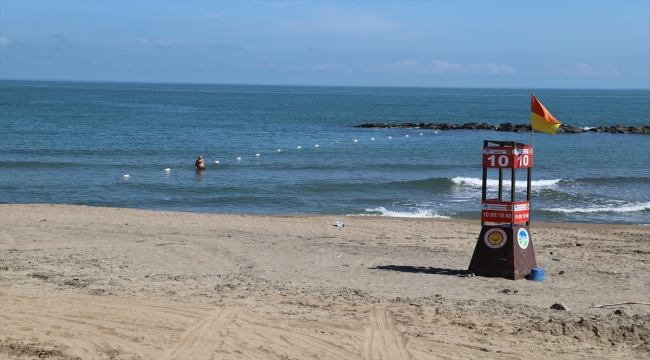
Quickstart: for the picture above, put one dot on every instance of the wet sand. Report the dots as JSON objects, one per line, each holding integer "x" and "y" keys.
{"x": 100, "y": 283}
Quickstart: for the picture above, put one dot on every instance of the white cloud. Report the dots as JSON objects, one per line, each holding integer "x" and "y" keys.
{"x": 4, "y": 41}
{"x": 579, "y": 69}
{"x": 585, "y": 69}
{"x": 407, "y": 67}
{"x": 548, "y": 70}
{"x": 145, "y": 41}
{"x": 489, "y": 68}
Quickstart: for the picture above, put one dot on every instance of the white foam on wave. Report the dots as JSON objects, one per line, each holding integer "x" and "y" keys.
{"x": 605, "y": 209}
{"x": 421, "y": 213}
{"x": 476, "y": 182}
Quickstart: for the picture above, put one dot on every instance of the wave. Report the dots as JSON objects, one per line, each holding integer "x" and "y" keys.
{"x": 420, "y": 213}
{"x": 476, "y": 182}
{"x": 614, "y": 180}
{"x": 639, "y": 207}
{"x": 426, "y": 183}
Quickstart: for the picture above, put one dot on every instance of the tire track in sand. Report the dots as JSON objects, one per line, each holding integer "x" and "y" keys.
{"x": 209, "y": 334}
{"x": 384, "y": 341}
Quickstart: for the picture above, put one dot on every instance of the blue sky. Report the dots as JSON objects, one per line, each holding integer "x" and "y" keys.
{"x": 528, "y": 44}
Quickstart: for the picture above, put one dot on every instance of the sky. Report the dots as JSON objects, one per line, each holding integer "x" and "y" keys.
{"x": 484, "y": 44}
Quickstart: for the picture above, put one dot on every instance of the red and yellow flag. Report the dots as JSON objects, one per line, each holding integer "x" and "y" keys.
{"x": 541, "y": 119}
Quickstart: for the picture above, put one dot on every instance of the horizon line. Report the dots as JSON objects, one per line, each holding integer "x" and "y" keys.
{"x": 314, "y": 85}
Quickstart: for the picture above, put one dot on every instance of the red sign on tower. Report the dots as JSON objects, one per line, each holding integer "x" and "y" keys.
{"x": 508, "y": 157}
{"x": 505, "y": 211}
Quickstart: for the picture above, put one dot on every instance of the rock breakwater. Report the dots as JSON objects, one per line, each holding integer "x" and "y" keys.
{"x": 509, "y": 127}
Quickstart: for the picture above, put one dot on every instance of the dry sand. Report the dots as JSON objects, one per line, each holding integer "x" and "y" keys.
{"x": 98, "y": 283}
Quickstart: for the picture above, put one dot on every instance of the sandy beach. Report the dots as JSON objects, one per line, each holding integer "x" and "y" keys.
{"x": 79, "y": 282}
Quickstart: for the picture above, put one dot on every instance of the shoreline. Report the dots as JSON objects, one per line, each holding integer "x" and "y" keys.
{"x": 566, "y": 225}
{"x": 100, "y": 282}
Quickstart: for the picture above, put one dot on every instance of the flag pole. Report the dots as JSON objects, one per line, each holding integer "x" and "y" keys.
{"x": 530, "y": 169}
{"x": 532, "y": 131}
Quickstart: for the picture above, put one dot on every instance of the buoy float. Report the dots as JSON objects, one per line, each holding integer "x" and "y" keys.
{"x": 278, "y": 150}
{"x": 407, "y": 136}
{"x": 336, "y": 143}
{"x": 390, "y": 137}
{"x": 257, "y": 154}
{"x": 238, "y": 158}
{"x": 298, "y": 147}
{"x": 216, "y": 162}
{"x": 125, "y": 176}
{"x": 435, "y": 132}
{"x": 168, "y": 170}
{"x": 355, "y": 140}
{"x": 372, "y": 139}
{"x": 421, "y": 134}
{"x": 317, "y": 145}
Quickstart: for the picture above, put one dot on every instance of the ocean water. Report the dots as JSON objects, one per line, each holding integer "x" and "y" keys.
{"x": 71, "y": 143}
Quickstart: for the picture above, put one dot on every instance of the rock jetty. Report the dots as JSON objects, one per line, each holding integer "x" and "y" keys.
{"x": 509, "y": 127}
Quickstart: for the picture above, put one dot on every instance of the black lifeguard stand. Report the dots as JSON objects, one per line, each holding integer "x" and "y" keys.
{"x": 504, "y": 247}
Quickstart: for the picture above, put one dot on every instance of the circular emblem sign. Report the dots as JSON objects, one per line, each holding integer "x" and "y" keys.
{"x": 495, "y": 238}
{"x": 522, "y": 238}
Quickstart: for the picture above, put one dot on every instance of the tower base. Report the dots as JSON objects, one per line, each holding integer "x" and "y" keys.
{"x": 503, "y": 251}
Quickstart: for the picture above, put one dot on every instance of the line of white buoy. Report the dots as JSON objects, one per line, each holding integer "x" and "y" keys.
{"x": 168, "y": 170}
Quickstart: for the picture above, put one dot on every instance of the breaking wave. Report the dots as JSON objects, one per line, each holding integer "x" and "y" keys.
{"x": 420, "y": 213}
{"x": 476, "y": 182}
{"x": 639, "y": 207}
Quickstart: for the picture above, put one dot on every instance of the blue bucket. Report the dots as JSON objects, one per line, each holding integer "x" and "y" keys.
{"x": 537, "y": 274}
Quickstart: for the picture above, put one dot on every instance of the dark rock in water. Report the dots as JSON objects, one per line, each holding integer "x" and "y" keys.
{"x": 506, "y": 127}
{"x": 509, "y": 127}
{"x": 571, "y": 129}
{"x": 640, "y": 129}
{"x": 522, "y": 128}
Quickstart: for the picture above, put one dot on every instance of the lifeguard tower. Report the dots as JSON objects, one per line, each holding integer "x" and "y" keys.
{"x": 504, "y": 247}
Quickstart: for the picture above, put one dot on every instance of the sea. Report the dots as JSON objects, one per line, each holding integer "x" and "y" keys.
{"x": 295, "y": 150}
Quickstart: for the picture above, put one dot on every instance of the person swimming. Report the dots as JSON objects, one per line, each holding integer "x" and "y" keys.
{"x": 199, "y": 165}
